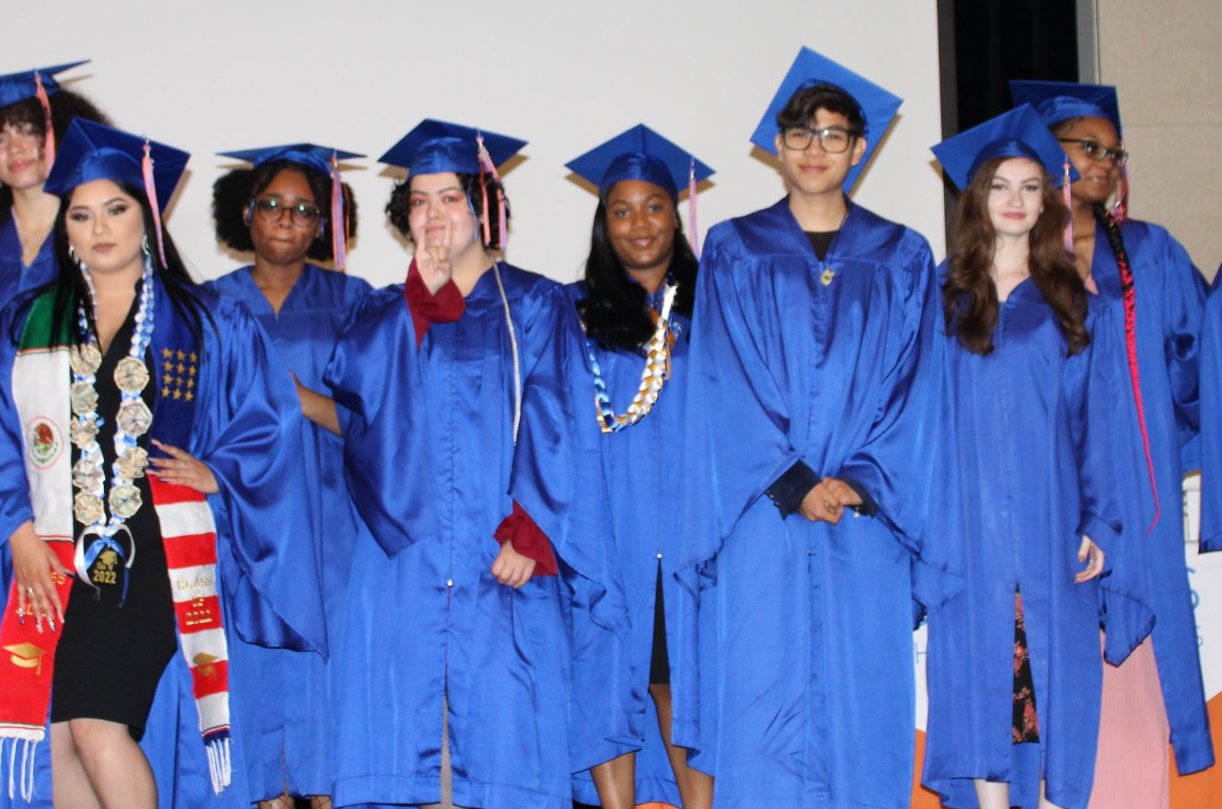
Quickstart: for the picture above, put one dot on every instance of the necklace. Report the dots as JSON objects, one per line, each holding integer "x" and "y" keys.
{"x": 31, "y": 243}
{"x": 653, "y": 377}
{"x": 132, "y": 420}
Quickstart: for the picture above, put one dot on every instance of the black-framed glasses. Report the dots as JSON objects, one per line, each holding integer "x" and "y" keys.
{"x": 271, "y": 210}
{"x": 833, "y": 139}
{"x": 1098, "y": 152}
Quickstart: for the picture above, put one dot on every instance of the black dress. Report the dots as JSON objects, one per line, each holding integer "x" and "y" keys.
{"x": 110, "y": 656}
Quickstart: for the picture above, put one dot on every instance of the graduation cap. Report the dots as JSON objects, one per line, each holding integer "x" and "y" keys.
{"x": 434, "y": 147}
{"x": 16, "y": 87}
{"x": 1058, "y": 101}
{"x": 1017, "y": 133}
{"x": 640, "y": 153}
{"x": 26, "y": 656}
{"x": 37, "y": 83}
{"x": 93, "y": 151}
{"x": 878, "y": 106}
{"x": 313, "y": 157}
{"x": 323, "y": 160}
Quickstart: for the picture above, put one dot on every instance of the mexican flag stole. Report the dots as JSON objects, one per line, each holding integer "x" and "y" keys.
{"x": 41, "y": 379}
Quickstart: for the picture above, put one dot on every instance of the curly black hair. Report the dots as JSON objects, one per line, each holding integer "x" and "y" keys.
{"x": 398, "y": 209}
{"x": 65, "y": 105}
{"x": 232, "y": 192}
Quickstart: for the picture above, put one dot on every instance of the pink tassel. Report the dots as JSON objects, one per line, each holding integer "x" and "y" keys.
{"x": 150, "y": 188}
{"x": 486, "y": 165}
{"x": 691, "y": 208}
{"x": 1120, "y": 208}
{"x": 339, "y": 224}
{"x": 49, "y": 149}
{"x": 1067, "y": 196}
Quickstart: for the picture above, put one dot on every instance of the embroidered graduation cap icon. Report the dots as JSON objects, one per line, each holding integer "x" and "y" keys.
{"x": 640, "y": 153}
{"x": 1057, "y": 101}
{"x": 1017, "y": 133}
{"x": 878, "y": 106}
{"x": 434, "y": 147}
{"x": 322, "y": 159}
{"x": 26, "y": 656}
{"x": 16, "y": 87}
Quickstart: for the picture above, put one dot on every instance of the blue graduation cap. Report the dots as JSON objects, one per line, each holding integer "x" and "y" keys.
{"x": 93, "y": 151}
{"x": 313, "y": 157}
{"x": 434, "y": 147}
{"x": 1017, "y": 133}
{"x": 639, "y": 153}
{"x": 878, "y": 106}
{"x": 1058, "y": 101}
{"x": 17, "y": 87}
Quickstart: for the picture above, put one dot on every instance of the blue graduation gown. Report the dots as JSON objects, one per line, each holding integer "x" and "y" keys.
{"x": 1211, "y": 420}
{"x": 1170, "y": 295}
{"x": 16, "y": 278}
{"x": 433, "y": 469}
{"x": 245, "y": 406}
{"x": 642, "y": 468}
{"x": 293, "y": 715}
{"x": 1024, "y": 462}
{"x": 793, "y": 678}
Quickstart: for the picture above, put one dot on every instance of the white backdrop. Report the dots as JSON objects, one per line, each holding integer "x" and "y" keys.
{"x": 223, "y": 75}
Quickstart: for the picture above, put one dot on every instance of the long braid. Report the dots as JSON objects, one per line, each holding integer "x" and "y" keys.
{"x": 1129, "y": 294}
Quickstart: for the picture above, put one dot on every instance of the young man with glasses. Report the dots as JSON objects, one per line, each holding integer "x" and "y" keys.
{"x": 811, "y": 343}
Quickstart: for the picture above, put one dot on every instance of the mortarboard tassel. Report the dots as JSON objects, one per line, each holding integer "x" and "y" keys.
{"x": 1067, "y": 196}
{"x": 49, "y": 149}
{"x": 339, "y": 222}
{"x": 691, "y": 207}
{"x": 486, "y": 164}
{"x": 150, "y": 189}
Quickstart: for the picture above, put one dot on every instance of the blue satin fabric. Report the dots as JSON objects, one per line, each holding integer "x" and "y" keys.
{"x": 293, "y": 718}
{"x": 16, "y": 278}
{"x": 246, "y": 405}
{"x": 642, "y": 468}
{"x": 1211, "y": 420}
{"x": 1025, "y": 465}
{"x": 793, "y": 673}
{"x": 431, "y": 463}
{"x": 1170, "y": 294}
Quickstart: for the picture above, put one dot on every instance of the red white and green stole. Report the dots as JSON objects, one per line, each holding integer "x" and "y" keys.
{"x": 41, "y": 379}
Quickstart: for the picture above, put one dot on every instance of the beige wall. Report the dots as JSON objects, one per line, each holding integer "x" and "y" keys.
{"x": 1165, "y": 58}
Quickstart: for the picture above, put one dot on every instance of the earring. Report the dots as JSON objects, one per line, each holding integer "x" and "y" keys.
{"x": 144, "y": 245}
{"x": 73, "y": 256}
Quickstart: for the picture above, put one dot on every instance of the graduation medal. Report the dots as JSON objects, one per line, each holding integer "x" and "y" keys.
{"x": 653, "y": 377}
{"x": 100, "y": 558}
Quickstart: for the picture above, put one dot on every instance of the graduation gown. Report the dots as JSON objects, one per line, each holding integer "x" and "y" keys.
{"x": 245, "y": 405}
{"x": 432, "y": 465}
{"x": 1170, "y": 301}
{"x": 293, "y": 718}
{"x": 793, "y": 677}
{"x": 642, "y": 474}
{"x": 1211, "y": 421}
{"x": 1024, "y": 463}
{"x": 16, "y": 278}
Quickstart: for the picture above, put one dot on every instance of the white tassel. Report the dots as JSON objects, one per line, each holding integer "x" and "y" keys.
{"x": 28, "y": 756}
{"x": 220, "y": 766}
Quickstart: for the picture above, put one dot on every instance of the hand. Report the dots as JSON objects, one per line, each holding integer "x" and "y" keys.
{"x": 182, "y": 469}
{"x": 433, "y": 258}
{"x": 35, "y": 570}
{"x": 821, "y": 503}
{"x": 1089, "y": 550}
{"x": 511, "y": 568}
{"x": 845, "y": 494}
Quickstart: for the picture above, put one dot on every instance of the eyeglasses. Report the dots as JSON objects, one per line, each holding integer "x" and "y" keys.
{"x": 1098, "y": 152}
{"x": 833, "y": 139}
{"x": 272, "y": 210}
